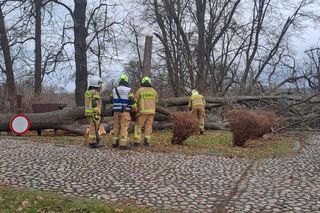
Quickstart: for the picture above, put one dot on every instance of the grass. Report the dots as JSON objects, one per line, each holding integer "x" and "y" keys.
{"x": 220, "y": 143}
{"x": 31, "y": 201}
{"x": 214, "y": 142}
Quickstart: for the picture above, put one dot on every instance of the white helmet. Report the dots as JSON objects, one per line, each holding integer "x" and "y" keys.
{"x": 95, "y": 81}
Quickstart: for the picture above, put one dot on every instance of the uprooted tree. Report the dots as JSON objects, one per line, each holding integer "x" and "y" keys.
{"x": 302, "y": 112}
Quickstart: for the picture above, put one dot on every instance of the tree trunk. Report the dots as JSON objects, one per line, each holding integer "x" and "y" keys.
{"x": 80, "y": 35}
{"x": 202, "y": 73}
{"x": 147, "y": 56}
{"x": 10, "y": 83}
{"x": 66, "y": 119}
{"x": 49, "y": 120}
{"x": 38, "y": 55}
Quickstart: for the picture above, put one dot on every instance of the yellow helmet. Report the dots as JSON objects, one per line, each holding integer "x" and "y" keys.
{"x": 124, "y": 77}
{"x": 146, "y": 79}
{"x": 194, "y": 92}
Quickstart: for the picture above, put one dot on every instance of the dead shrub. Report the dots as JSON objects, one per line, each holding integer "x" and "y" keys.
{"x": 250, "y": 125}
{"x": 184, "y": 125}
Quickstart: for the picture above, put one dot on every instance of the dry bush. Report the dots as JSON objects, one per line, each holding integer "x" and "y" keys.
{"x": 184, "y": 125}
{"x": 250, "y": 125}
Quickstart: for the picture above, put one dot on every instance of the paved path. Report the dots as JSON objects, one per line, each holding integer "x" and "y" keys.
{"x": 167, "y": 181}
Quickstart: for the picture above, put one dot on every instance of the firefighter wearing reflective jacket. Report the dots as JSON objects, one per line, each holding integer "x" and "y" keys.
{"x": 122, "y": 100}
{"x": 146, "y": 98}
{"x": 93, "y": 110}
{"x": 197, "y": 105}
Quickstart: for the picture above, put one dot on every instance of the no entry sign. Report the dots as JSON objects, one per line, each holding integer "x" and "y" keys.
{"x": 20, "y": 124}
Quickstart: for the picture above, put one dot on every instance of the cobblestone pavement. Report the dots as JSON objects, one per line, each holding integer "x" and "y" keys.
{"x": 165, "y": 181}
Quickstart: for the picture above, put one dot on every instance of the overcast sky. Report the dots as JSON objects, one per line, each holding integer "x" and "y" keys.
{"x": 309, "y": 37}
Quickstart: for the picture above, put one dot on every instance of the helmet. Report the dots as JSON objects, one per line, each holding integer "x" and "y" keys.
{"x": 95, "y": 81}
{"x": 146, "y": 79}
{"x": 194, "y": 92}
{"x": 124, "y": 77}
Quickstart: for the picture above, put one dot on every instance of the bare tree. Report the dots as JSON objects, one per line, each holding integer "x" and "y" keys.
{"x": 253, "y": 50}
{"x": 8, "y": 70}
{"x": 80, "y": 46}
{"x": 312, "y": 69}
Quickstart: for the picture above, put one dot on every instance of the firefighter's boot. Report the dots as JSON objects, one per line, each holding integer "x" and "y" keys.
{"x": 146, "y": 142}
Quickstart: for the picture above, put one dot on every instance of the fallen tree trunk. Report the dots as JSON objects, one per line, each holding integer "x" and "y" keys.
{"x": 51, "y": 120}
{"x": 220, "y": 101}
{"x": 66, "y": 119}
{"x": 183, "y": 101}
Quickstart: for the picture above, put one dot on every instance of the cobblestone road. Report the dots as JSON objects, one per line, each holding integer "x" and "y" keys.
{"x": 167, "y": 181}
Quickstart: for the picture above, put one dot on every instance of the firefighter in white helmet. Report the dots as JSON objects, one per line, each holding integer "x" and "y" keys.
{"x": 93, "y": 103}
{"x": 197, "y": 105}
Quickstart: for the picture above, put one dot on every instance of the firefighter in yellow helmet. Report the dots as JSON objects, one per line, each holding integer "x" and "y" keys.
{"x": 93, "y": 104}
{"x": 197, "y": 105}
{"x": 122, "y": 100}
{"x": 146, "y": 98}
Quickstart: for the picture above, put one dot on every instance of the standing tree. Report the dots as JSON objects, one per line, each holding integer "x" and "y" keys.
{"x": 147, "y": 56}
{"x": 10, "y": 82}
{"x": 80, "y": 46}
{"x": 38, "y": 55}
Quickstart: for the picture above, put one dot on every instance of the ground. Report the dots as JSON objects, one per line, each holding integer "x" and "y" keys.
{"x": 168, "y": 181}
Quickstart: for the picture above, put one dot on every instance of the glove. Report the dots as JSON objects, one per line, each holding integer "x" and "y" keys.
{"x": 135, "y": 109}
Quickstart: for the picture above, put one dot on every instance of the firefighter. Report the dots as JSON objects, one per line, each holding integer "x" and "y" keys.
{"x": 146, "y": 98}
{"x": 197, "y": 105}
{"x": 122, "y": 100}
{"x": 93, "y": 110}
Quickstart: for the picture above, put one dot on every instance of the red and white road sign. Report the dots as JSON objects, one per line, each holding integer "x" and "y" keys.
{"x": 20, "y": 124}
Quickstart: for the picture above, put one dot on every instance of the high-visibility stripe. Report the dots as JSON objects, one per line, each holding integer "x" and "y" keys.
{"x": 118, "y": 101}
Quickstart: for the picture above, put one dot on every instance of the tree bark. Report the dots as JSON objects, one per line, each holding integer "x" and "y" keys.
{"x": 147, "y": 56}
{"x": 80, "y": 47}
{"x": 10, "y": 83}
{"x": 201, "y": 68}
{"x": 38, "y": 54}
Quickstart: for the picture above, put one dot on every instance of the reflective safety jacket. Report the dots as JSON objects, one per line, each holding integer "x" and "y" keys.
{"x": 93, "y": 102}
{"x": 196, "y": 101}
{"x": 146, "y": 98}
{"x": 123, "y": 103}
